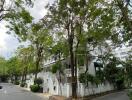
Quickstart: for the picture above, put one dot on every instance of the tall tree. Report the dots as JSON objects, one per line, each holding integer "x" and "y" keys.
{"x": 37, "y": 33}
{"x": 26, "y": 57}
{"x": 73, "y": 18}
{"x": 13, "y": 68}
{"x": 41, "y": 40}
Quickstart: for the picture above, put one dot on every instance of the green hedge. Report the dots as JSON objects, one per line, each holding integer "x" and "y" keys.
{"x": 16, "y": 82}
{"x": 38, "y": 81}
{"x": 35, "y": 88}
{"x": 130, "y": 94}
{"x": 23, "y": 84}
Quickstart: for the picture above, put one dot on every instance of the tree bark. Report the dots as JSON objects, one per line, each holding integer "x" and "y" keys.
{"x": 39, "y": 48}
{"x": 74, "y": 84}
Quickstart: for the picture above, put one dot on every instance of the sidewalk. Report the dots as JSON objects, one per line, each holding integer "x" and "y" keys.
{"x": 42, "y": 95}
{"x": 57, "y": 97}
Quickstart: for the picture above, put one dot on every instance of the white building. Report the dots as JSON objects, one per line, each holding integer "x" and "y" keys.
{"x": 123, "y": 52}
{"x": 52, "y": 86}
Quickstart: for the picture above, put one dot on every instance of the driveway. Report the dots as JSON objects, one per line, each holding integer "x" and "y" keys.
{"x": 11, "y": 92}
{"x": 114, "y": 96}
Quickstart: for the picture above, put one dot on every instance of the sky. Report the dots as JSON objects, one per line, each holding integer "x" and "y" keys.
{"x": 8, "y": 42}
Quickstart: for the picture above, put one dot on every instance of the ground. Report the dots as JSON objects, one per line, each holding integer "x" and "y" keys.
{"x": 11, "y": 92}
{"x": 114, "y": 96}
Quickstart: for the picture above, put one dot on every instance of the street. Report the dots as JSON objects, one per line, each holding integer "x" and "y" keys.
{"x": 11, "y": 92}
{"x": 114, "y": 96}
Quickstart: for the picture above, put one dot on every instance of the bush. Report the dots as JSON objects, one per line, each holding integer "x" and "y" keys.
{"x": 120, "y": 84}
{"x": 23, "y": 84}
{"x": 17, "y": 82}
{"x": 38, "y": 81}
{"x": 35, "y": 88}
{"x": 130, "y": 94}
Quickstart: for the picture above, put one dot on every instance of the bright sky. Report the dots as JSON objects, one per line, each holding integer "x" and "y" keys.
{"x": 9, "y": 43}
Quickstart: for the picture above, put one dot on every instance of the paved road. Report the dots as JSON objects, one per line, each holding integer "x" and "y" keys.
{"x": 114, "y": 96}
{"x": 11, "y": 92}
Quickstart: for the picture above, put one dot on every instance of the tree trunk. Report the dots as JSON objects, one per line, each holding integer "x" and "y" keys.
{"x": 74, "y": 84}
{"x": 39, "y": 48}
{"x": 23, "y": 75}
{"x": 60, "y": 83}
{"x": 37, "y": 67}
{"x": 22, "y": 78}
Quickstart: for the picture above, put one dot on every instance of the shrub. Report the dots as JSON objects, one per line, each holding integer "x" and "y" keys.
{"x": 130, "y": 94}
{"x": 82, "y": 78}
{"x": 17, "y": 82}
{"x": 23, "y": 84}
{"x": 35, "y": 88}
{"x": 38, "y": 81}
{"x": 0, "y": 87}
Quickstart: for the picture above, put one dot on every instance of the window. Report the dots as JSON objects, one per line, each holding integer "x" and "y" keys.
{"x": 54, "y": 88}
{"x": 98, "y": 66}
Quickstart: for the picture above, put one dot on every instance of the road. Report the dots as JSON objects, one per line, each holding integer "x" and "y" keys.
{"x": 114, "y": 96}
{"x": 11, "y": 92}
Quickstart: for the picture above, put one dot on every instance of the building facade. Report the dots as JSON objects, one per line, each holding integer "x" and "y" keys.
{"x": 54, "y": 86}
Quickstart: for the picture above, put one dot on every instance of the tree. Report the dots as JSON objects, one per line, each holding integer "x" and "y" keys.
{"x": 73, "y": 18}
{"x": 14, "y": 68}
{"x": 3, "y": 70}
{"x": 26, "y": 57}
{"x": 124, "y": 7}
{"x": 114, "y": 74}
{"x": 128, "y": 70}
{"x": 36, "y": 33}
{"x": 42, "y": 41}
{"x": 7, "y": 7}
{"x": 87, "y": 78}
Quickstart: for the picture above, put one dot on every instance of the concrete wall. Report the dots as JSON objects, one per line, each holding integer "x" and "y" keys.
{"x": 52, "y": 86}
{"x": 84, "y": 91}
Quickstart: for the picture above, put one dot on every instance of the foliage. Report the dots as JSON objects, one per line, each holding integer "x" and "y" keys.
{"x": 7, "y": 8}
{"x": 130, "y": 94}
{"x": 81, "y": 60}
{"x": 16, "y": 82}
{"x": 4, "y": 78}
{"x": 77, "y": 22}
{"x": 3, "y": 68}
{"x": 128, "y": 71}
{"x": 82, "y": 78}
{"x": 38, "y": 81}
{"x": 60, "y": 48}
{"x": 25, "y": 55}
{"x": 100, "y": 75}
{"x": 114, "y": 74}
{"x": 19, "y": 22}
{"x": 23, "y": 84}
{"x": 67, "y": 30}
{"x": 35, "y": 88}
{"x": 41, "y": 40}
{"x": 57, "y": 66}
{"x": 87, "y": 78}
{"x": 13, "y": 65}
{"x": 110, "y": 72}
